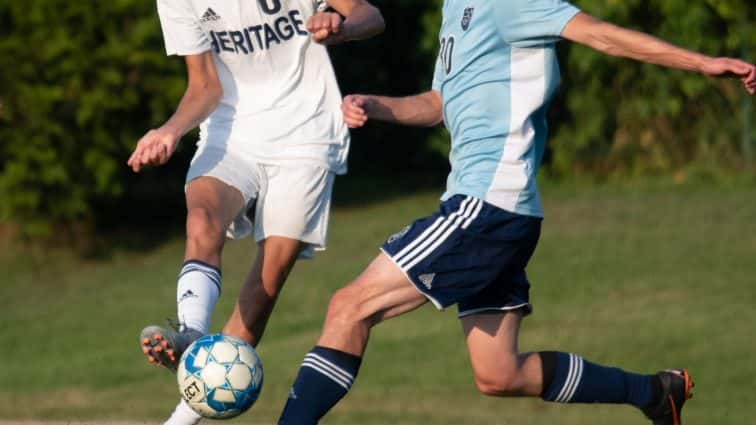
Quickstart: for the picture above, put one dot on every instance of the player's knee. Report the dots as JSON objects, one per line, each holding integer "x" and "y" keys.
{"x": 344, "y": 310}
{"x": 499, "y": 384}
{"x": 203, "y": 230}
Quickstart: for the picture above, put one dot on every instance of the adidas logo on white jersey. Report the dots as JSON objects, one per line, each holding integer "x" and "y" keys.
{"x": 427, "y": 279}
{"x": 209, "y": 15}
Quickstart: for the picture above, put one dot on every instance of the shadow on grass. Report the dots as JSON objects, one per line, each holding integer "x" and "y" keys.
{"x": 141, "y": 226}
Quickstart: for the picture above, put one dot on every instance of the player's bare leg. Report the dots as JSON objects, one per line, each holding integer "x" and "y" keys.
{"x": 381, "y": 292}
{"x": 211, "y": 207}
{"x": 501, "y": 370}
{"x": 498, "y": 367}
{"x": 275, "y": 259}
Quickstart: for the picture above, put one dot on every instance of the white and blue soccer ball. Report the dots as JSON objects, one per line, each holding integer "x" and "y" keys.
{"x": 220, "y": 376}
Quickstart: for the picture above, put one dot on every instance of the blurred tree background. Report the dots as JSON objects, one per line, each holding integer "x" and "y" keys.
{"x": 80, "y": 82}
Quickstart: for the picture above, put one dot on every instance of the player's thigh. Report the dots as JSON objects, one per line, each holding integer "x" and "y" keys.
{"x": 492, "y": 342}
{"x": 380, "y": 292}
{"x": 219, "y": 201}
{"x": 276, "y": 257}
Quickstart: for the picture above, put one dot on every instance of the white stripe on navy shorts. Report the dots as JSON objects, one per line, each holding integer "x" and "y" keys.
{"x": 468, "y": 247}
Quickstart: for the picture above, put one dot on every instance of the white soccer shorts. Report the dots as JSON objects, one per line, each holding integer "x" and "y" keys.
{"x": 291, "y": 201}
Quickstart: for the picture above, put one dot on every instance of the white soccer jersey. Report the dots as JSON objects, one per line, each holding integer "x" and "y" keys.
{"x": 281, "y": 102}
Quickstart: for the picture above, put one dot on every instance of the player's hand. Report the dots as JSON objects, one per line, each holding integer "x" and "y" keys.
{"x": 355, "y": 109}
{"x": 326, "y": 28}
{"x": 732, "y": 68}
{"x": 154, "y": 149}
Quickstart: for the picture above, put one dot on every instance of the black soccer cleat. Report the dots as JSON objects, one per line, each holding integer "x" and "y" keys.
{"x": 676, "y": 389}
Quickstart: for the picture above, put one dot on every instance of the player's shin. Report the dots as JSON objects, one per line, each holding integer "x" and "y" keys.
{"x": 325, "y": 377}
{"x": 199, "y": 286}
{"x": 568, "y": 378}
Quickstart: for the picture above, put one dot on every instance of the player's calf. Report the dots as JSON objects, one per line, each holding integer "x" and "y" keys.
{"x": 510, "y": 377}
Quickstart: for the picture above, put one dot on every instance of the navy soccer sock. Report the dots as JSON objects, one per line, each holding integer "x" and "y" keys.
{"x": 324, "y": 378}
{"x": 568, "y": 378}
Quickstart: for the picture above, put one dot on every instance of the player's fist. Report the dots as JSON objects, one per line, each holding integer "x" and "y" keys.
{"x": 326, "y": 28}
{"x": 154, "y": 149}
{"x": 355, "y": 108}
{"x": 732, "y": 68}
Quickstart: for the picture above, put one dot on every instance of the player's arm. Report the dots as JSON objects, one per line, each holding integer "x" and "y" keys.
{"x": 422, "y": 110}
{"x": 361, "y": 20}
{"x": 617, "y": 41}
{"x": 202, "y": 95}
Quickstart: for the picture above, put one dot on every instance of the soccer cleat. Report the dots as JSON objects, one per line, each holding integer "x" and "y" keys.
{"x": 164, "y": 346}
{"x": 676, "y": 388}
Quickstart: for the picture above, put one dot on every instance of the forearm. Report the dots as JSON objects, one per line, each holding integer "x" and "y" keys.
{"x": 423, "y": 110}
{"x": 642, "y": 47}
{"x": 198, "y": 102}
{"x": 362, "y": 19}
{"x": 617, "y": 41}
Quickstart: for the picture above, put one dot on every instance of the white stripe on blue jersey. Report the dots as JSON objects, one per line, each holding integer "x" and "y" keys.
{"x": 497, "y": 71}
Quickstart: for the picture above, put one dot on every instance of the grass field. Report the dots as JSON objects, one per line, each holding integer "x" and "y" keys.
{"x": 642, "y": 278}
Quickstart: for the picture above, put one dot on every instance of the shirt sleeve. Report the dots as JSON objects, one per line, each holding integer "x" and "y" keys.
{"x": 525, "y": 23}
{"x": 181, "y": 28}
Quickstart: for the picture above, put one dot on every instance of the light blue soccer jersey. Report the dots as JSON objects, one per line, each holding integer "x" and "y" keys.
{"x": 497, "y": 71}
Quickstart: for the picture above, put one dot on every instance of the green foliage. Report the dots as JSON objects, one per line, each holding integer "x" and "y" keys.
{"x": 625, "y": 118}
{"x": 82, "y": 81}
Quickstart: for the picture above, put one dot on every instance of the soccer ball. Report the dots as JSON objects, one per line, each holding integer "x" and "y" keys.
{"x": 220, "y": 376}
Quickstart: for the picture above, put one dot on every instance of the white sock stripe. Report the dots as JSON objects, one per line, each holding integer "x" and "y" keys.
{"x": 212, "y": 274}
{"x": 331, "y": 366}
{"x": 570, "y": 373}
{"x": 452, "y": 220}
{"x": 328, "y": 375}
{"x": 474, "y": 215}
{"x": 215, "y": 279}
{"x": 199, "y": 267}
{"x": 576, "y": 380}
{"x": 329, "y": 371}
{"x": 443, "y": 237}
{"x": 432, "y": 230}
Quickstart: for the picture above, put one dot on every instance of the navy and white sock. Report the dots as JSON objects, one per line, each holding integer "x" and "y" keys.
{"x": 199, "y": 286}
{"x": 568, "y": 378}
{"x": 324, "y": 379}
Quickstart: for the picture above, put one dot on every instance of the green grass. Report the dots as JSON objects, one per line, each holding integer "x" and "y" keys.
{"x": 641, "y": 278}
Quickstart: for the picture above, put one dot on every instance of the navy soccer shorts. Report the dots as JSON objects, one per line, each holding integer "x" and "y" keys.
{"x": 469, "y": 253}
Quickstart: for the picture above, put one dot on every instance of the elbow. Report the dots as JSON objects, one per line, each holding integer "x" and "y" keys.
{"x": 214, "y": 91}
{"x": 218, "y": 94}
{"x": 375, "y": 23}
{"x": 380, "y": 23}
{"x": 437, "y": 108}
